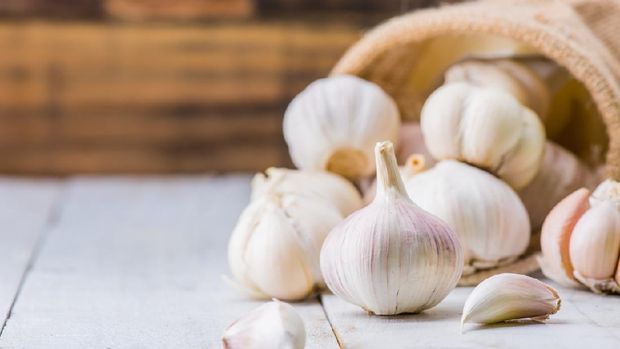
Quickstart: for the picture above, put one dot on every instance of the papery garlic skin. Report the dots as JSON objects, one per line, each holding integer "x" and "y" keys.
{"x": 556, "y": 236}
{"x": 485, "y": 212}
{"x": 274, "y": 325}
{"x": 335, "y": 122}
{"x": 331, "y": 187}
{"x": 484, "y": 127}
{"x": 595, "y": 244}
{"x": 391, "y": 256}
{"x": 509, "y": 296}
{"x": 560, "y": 174}
{"x": 275, "y": 247}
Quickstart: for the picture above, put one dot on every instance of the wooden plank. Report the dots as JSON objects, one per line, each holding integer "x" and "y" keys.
{"x": 179, "y": 10}
{"x": 26, "y": 208}
{"x": 137, "y": 262}
{"x": 585, "y": 320}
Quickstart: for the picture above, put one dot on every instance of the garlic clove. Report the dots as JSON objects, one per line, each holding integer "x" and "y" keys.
{"x": 334, "y": 123}
{"x": 556, "y": 235}
{"x": 484, "y": 127}
{"x": 485, "y": 212}
{"x": 505, "y": 297}
{"x": 320, "y": 184}
{"x": 608, "y": 190}
{"x": 391, "y": 256}
{"x": 595, "y": 247}
{"x": 274, "y": 325}
{"x": 274, "y": 249}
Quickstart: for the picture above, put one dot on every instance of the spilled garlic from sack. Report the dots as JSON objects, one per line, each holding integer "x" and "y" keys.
{"x": 275, "y": 247}
{"x": 507, "y": 296}
{"x": 580, "y": 239}
{"x": 391, "y": 256}
{"x": 335, "y": 122}
{"x": 274, "y": 325}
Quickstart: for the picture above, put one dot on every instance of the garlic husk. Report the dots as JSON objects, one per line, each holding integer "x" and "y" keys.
{"x": 485, "y": 127}
{"x": 411, "y": 141}
{"x": 560, "y": 174}
{"x": 274, "y": 325}
{"x": 391, "y": 256}
{"x": 556, "y": 235}
{"x": 274, "y": 249}
{"x": 595, "y": 247}
{"x": 507, "y": 296}
{"x": 486, "y": 213}
{"x": 334, "y": 123}
{"x": 321, "y": 184}
{"x": 507, "y": 75}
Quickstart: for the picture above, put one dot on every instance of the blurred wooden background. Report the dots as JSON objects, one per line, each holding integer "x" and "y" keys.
{"x": 155, "y": 86}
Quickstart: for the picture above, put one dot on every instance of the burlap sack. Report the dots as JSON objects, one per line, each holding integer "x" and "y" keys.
{"x": 581, "y": 35}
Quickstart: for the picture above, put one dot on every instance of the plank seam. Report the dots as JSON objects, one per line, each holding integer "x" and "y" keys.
{"x": 329, "y": 321}
{"x": 52, "y": 219}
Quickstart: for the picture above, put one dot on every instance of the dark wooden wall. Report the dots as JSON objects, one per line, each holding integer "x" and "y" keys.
{"x": 152, "y": 86}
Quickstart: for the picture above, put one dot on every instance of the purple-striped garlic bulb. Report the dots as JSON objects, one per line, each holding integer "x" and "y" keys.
{"x": 391, "y": 256}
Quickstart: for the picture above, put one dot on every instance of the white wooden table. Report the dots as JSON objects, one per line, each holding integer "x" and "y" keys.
{"x": 114, "y": 262}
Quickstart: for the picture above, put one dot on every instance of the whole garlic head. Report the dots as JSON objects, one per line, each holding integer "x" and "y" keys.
{"x": 580, "y": 239}
{"x": 331, "y": 187}
{"x": 485, "y": 212}
{"x": 275, "y": 247}
{"x": 485, "y": 127}
{"x": 391, "y": 256}
{"x": 335, "y": 122}
{"x": 274, "y": 325}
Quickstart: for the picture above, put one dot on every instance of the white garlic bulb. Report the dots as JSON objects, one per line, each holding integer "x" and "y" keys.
{"x": 325, "y": 185}
{"x": 507, "y": 296}
{"x": 335, "y": 122}
{"x": 560, "y": 174}
{"x": 391, "y": 256}
{"x": 487, "y": 214}
{"x": 484, "y": 127}
{"x": 274, "y": 325}
{"x": 580, "y": 239}
{"x": 275, "y": 247}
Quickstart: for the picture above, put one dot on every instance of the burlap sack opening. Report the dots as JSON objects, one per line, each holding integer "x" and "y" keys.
{"x": 408, "y": 54}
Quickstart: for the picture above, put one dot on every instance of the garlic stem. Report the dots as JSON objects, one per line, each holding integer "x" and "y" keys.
{"x": 388, "y": 174}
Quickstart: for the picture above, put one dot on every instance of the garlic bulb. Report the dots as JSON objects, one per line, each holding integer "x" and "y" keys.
{"x": 580, "y": 239}
{"x": 560, "y": 174}
{"x": 486, "y": 213}
{"x": 514, "y": 78}
{"x": 328, "y": 186}
{"x": 411, "y": 141}
{"x": 334, "y": 123}
{"x": 274, "y": 249}
{"x": 391, "y": 256}
{"x": 507, "y": 296}
{"x": 274, "y": 325}
{"x": 484, "y": 127}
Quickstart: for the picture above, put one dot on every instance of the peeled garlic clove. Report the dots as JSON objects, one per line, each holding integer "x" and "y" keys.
{"x": 334, "y": 123}
{"x": 411, "y": 141}
{"x": 486, "y": 213}
{"x": 484, "y": 127}
{"x": 595, "y": 247}
{"x": 320, "y": 184}
{"x": 556, "y": 236}
{"x": 274, "y": 325}
{"x": 509, "y": 296}
{"x": 560, "y": 174}
{"x": 391, "y": 256}
{"x": 608, "y": 190}
{"x": 274, "y": 249}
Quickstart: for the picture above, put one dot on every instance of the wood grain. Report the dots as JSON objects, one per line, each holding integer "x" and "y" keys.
{"x": 137, "y": 262}
{"x": 585, "y": 320}
{"x": 26, "y": 208}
